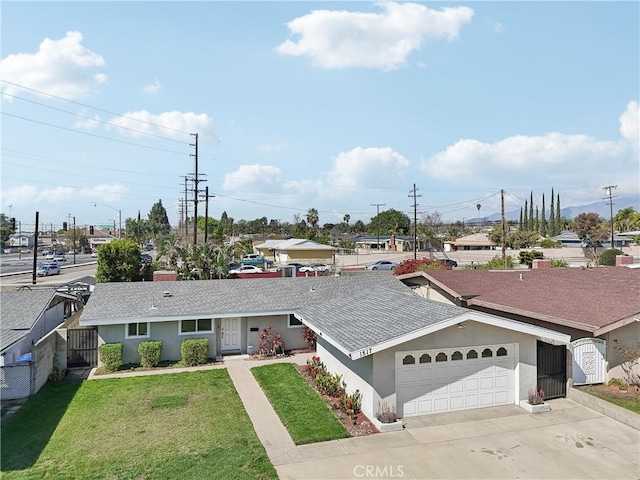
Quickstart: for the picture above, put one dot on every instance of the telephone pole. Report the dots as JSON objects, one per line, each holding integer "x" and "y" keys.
{"x": 378, "y": 205}
{"x": 206, "y": 212}
{"x": 196, "y": 181}
{"x": 415, "y": 220}
{"x": 504, "y": 235}
{"x": 184, "y": 214}
{"x": 608, "y": 190}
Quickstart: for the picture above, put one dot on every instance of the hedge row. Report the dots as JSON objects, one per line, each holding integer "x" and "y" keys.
{"x": 194, "y": 351}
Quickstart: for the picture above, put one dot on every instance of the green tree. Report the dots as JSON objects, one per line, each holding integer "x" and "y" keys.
{"x": 521, "y": 220}
{"x": 346, "y": 218}
{"x": 118, "y": 261}
{"x": 591, "y": 228}
{"x": 558, "y": 216}
{"x": 543, "y": 220}
{"x": 5, "y": 228}
{"x": 359, "y": 226}
{"x": 531, "y": 220}
{"x": 313, "y": 217}
{"x": 158, "y": 220}
{"x": 390, "y": 220}
{"x": 137, "y": 230}
{"x": 626, "y": 219}
{"x": 552, "y": 218}
{"x": 525, "y": 222}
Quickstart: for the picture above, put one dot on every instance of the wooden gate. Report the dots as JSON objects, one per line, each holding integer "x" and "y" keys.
{"x": 552, "y": 370}
{"x": 82, "y": 347}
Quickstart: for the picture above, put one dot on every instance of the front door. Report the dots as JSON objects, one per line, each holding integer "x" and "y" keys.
{"x": 552, "y": 370}
{"x": 230, "y": 333}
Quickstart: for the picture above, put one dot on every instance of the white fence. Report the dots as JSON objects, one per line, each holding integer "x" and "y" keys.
{"x": 589, "y": 361}
{"x": 16, "y": 381}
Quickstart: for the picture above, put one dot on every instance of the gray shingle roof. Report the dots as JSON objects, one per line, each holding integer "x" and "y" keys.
{"x": 122, "y": 302}
{"x": 372, "y": 317}
{"x": 19, "y": 310}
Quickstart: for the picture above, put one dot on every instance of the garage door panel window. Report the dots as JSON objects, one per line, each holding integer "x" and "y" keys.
{"x": 457, "y": 355}
{"x": 472, "y": 354}
{"x": 487, "y": 353}
{"x": 425, "y": 358}
{"x": 502, "y": 352}
{"x": 441, "y": 357}
{"x": 408, "y": 360}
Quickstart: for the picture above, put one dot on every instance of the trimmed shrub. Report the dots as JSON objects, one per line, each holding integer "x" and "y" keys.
{"x": 527, "y": 257}
{"x": 111, "y": 356}
{"x": 608, "y": 257}
{"x": 150, "y": 353}
{"x": 194, "y": 351}
{"x": 549, "y": 243}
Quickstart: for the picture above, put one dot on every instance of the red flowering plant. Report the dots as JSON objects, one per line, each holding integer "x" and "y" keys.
{"x": 411, "y": 266}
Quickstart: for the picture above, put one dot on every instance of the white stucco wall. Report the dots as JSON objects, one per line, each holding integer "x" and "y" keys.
{"x": 356, "y": 374}
{"x": 627, "y": 336}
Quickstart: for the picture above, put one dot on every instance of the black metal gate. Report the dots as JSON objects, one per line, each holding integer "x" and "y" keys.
{"x": 82, "y": 347}
{"x": 552, "y": 370}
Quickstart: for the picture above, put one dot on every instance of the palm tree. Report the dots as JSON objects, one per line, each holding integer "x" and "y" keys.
{"x": 312, "y": 217}
{"x": 346, "y": 218}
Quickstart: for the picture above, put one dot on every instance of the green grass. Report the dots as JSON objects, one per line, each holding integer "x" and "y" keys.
{"x": 183, "y": 425}
{"x": 302, "y": 411}
{"x": 630, "y": 402}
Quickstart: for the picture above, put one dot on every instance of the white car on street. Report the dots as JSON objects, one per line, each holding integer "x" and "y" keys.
{"x": 315, "y": 267}
{"x": 46, "y": 269}
{"x": 245, "y": 269}
{"x": 59, "y": 258}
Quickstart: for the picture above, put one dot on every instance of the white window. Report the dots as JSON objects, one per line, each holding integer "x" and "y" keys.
{"x": 136, "y": 330}
{"x": 201, "y": 325}
{"x": 294, "y": 322}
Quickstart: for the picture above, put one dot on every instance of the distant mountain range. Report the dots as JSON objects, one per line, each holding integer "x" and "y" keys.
{"x": 601, "y": 208}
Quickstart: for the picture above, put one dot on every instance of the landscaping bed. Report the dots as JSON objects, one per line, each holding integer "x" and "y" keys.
{"x": 623, "y": 398}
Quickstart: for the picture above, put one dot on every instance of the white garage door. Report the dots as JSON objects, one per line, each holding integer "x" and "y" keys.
{"x": 445, "y": 380}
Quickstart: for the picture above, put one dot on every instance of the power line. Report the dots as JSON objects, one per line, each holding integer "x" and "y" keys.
{"x": 93, "y": 119}
{"x": 90, "y": 106}
{"x": 92, "y": 134}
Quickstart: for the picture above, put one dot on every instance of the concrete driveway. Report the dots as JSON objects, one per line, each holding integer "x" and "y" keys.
{"x": 569, "y": 442}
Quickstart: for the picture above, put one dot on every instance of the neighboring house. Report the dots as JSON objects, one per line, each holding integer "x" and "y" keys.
{"x": 570, "y": 239}
{"x": 390, "y": 243}
{"x": 296, "y": 250}
{"x": 477, "y": 241}
{"x": 24, "y": 240}
{"x": 27, "y": 316}
{"x": 416, "y": 355}
{"x": 601, "y": 304}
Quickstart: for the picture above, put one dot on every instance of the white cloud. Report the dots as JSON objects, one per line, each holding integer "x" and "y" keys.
{"x": 554, "y": 154}
{"x": 104, "y": 193}
{"x": 250, "y": 178}
{"x": 630, "y": 123}
{"x": 27, "y": 195}
{"x": 167, "y": 124}
{"x": 23, "y": 195}
{"x": 341, "y": 39}
{"x": 366, "y": 167}
{"x": 152, "y": 89}
{"x": 61, "y": 67}
{"x": 87, "y": 123}
{"x": 498, "y": 27}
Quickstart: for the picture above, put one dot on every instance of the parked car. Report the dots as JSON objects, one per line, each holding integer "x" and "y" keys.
{"x": 46, "y": 269}
{"x": 246, "y": 269}
{"x": 297, "y": 265}
{"x": 315, "y": 267}
{"x": 448, "y": 261}
{"x": 381, "y": 265}
{"x": 148, "y": 246}
{"x": 146, "y": 258}
{"x": 59, "y": 258}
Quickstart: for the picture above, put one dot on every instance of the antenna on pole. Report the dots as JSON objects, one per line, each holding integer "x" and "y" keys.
{"x": 608, "y": 189}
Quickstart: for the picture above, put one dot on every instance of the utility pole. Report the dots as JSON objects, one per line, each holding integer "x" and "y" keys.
{"x": 415, "y": 220}
{"x": 504, "y": 234}
{"x": 206, "y": 212}
{"x": 378, "y": 205}
{"x": 185, "y": 208}
{"x": 74, "y": 240}
{"x": 35, "y": 251}
{"x": 196, "y": 180}
{"x": 20, "y": 240}
{"x": 608, "y": 190}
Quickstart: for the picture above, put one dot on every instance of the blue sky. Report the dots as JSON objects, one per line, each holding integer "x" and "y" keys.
{"x": 327, "y": 105}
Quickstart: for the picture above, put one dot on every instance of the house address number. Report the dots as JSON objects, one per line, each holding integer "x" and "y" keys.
{"x": 365, "y": 352}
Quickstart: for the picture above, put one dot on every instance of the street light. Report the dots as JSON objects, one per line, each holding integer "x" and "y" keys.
{"x": 95, "y": 204}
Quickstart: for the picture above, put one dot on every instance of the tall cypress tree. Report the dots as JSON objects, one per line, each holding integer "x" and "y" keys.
{"x": 521, "y": 219}
{"x": 525, "y": 222}
{"x": 552, "y": 217}
{"x": 537, "y": 224}
{"x": 543, "y": 221}
{"x": 558, "y": 216}
{"x": 531, "y": 219}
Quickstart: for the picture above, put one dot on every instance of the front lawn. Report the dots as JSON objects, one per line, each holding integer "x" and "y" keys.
{"x": 183, "y": 425}
{"x": 302, "y": 411}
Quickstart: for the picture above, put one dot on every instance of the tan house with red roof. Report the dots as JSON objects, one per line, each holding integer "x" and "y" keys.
{"x": 586, "y": 303}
